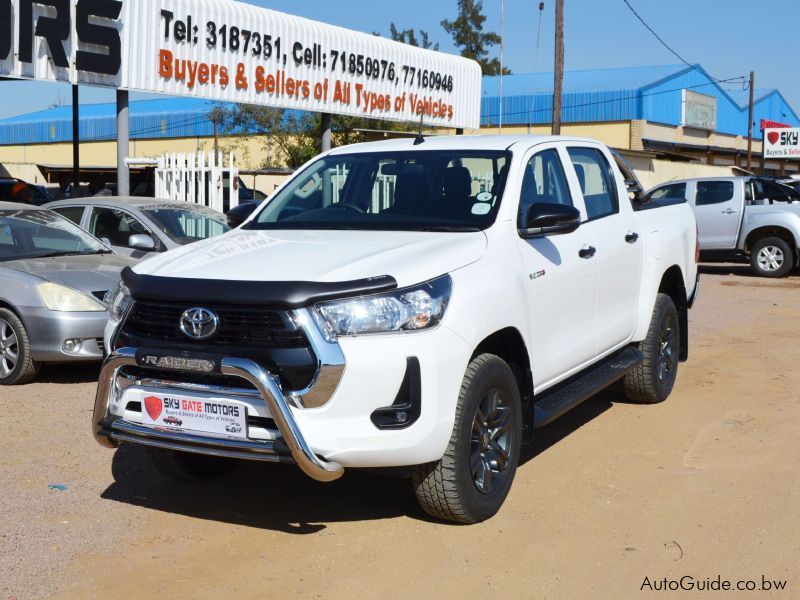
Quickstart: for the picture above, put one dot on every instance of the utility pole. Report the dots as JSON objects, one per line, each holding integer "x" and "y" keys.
{"x": 76, "y": 140}
{"x": 750, "y": 123}
{"x": 558, "y": 83}
{"x": 216, "y": 133}
{"x": 502, "y": 47}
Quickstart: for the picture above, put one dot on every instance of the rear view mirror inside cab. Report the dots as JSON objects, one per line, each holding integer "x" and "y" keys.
{"x": 401, "y": 169}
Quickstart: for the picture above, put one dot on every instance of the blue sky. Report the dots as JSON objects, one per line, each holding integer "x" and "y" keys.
{"x": 728, "y": 37}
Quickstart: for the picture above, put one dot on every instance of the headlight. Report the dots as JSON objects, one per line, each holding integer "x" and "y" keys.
{"x": 65, "y": 299}
{"x": 121, "y": 298}
{"x": 410, "y": 309}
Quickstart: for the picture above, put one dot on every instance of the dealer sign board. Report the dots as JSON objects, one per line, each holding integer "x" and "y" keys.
{"x": 782, "y": 143}
{"x": 235, "y": 52}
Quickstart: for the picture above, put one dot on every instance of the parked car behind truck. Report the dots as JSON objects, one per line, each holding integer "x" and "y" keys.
{"x": 742, "y": 219}
{"x": 399, "y": 305}
{"x": 54, "y": 283}
{"x": 140, "y": 227}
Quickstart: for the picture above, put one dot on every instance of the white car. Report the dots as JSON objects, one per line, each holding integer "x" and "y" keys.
{"x": 422, "y": 305}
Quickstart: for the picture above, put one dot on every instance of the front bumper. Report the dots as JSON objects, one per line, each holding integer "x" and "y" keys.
{"x": 109, "y": 430}
{"x": 48, "y": 330}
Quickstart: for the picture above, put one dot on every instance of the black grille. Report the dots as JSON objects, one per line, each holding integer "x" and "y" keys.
{"x": 265, "y": 335}
{"x": 239, "y": 326}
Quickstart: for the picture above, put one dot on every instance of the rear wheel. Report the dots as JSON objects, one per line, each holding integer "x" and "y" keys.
{"x": 771, "y": 257}
{"x": 652, "y": 381}
{"x": 185, "y": 466}
{"x": 16, "y": 364}
{"x": 471, "y": 481}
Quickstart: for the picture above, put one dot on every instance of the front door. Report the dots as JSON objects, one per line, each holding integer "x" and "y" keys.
{"x": 718, "y": 209}
{"x": 561, "y": 285}
{"x": 614, "y": 229}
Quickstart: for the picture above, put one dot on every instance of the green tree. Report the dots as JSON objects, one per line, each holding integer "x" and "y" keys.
{"x": 468, "y": 35}
{"x": 292, "y": 137}
{"x": 409, "y": 36}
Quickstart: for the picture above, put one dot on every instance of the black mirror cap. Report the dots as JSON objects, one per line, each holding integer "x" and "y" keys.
{"x": 550, "y": 219}
{"x": 239, "y": 214}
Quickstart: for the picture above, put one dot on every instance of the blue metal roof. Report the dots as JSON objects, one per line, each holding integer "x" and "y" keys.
{"x": 652, "y": 93}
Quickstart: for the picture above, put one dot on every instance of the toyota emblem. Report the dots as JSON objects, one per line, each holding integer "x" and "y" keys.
{"x": 199, "y": 323}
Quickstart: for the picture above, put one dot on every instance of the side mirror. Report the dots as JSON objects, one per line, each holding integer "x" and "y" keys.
{"x": 141, "y": 241}
{"x": 239, "y": 214}
{"x": 550, "y": 219}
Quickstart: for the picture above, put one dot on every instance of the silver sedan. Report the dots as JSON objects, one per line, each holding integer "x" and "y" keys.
{"x": 54, "y": 282}
{"x": 139, "y": 227}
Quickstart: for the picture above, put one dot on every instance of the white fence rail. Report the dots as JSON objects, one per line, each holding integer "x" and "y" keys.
{"x": 200, "y": 178}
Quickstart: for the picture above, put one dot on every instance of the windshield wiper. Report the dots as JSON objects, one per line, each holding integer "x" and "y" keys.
{"x": 71, "y": 253}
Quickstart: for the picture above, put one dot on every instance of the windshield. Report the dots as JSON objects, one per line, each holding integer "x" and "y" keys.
{"x": 186, "y": 225}
{"x": 453, "y": 190}
{"x": 40, "y": 233}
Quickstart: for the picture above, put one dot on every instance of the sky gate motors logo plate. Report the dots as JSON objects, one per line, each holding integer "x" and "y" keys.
{"x": 190, "y": 413}
{"x": 782, "y": 143}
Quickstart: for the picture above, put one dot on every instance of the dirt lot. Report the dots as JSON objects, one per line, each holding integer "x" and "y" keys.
{"x": 703, "y": 485}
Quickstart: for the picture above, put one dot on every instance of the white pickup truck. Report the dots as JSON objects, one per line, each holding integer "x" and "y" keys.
{"x": 741, "y": 219}
{"x": 412, "y": 304}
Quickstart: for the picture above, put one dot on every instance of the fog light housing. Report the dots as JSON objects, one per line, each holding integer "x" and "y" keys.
{"x": 72, "y": 346}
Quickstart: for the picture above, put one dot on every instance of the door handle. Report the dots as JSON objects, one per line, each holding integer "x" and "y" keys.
{"x": 587, "y": 252}
{"x": 632, "y": 237}
{"x": 729, "y": 211}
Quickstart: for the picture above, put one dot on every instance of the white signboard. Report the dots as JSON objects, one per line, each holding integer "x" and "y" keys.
{"x": 235, "y": 52}
{"x": 699, "y": 111}
{"x": 782, "y": 143}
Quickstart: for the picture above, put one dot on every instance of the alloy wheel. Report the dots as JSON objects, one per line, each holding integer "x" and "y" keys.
{"x": 490, "y": 441}
{"x": 666, "y": 349}
{"x": 770, "y": 258}
{"x": 9, "y": 349}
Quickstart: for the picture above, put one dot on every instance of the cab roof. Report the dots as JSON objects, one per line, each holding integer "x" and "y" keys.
{"x": 459, "y": 142}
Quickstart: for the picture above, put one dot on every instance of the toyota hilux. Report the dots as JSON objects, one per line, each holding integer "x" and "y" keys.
{"x": 418, "y": 305}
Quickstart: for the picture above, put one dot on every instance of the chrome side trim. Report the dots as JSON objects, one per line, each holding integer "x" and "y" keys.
{"x": 330, "y": 363}
{"x": 266, "y": 383}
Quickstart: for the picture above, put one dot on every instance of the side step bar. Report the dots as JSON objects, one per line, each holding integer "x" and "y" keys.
{"x": 553, "y": 403}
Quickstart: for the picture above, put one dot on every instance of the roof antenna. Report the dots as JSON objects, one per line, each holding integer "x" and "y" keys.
{"x": 420, "y": 139}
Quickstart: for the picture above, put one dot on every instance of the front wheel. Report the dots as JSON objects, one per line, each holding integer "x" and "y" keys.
{"x": 471, "y": 481}
{"x": 771, "y": 257}
{"x": 652, "y": 381}
{"x": 16, "y": 364}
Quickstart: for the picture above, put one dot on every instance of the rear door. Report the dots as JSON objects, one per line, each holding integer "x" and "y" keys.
{"x": 613, "y": 230}
{"x": 718, "y": 206}
{"x": 561, "y": 285}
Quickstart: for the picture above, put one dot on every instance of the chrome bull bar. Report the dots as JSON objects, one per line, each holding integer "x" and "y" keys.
{"x": 268, "y": 387}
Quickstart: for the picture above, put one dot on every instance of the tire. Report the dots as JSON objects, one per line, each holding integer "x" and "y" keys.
{"x": 185, "y": 466}
{"x": 453, "y": 490}
{"x": 771, "y": 257}
{"x": 16, "y": 365}
{"x": 652, "y": 381}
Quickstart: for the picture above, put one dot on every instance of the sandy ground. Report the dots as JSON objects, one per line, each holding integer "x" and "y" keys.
{"x": 704, "y": 485}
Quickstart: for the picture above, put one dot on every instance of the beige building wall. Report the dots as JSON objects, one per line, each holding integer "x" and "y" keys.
{"x": 617, "y": 134}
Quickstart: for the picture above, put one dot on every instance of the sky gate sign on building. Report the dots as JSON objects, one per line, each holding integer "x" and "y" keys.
{"x": 235, "y": 52}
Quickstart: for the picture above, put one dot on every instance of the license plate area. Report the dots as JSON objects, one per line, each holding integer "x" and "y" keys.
{"x": 190, "y": 413}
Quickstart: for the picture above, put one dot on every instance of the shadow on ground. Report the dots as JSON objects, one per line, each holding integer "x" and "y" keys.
{"x": 742, "y": 270}
{"x": 281, "y": 498}
{"x": 69, "y": 373}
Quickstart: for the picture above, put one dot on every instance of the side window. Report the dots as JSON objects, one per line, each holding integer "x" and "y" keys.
{"x": 73, "y": 213}
{"x": 115, "y": 225}
{"x": 748, "y": 191}
{"x": 713, "y": 192}
{"x": 543, "y": 182}
{"x": 597, "y": 182}
{"x": 675, "y": 191}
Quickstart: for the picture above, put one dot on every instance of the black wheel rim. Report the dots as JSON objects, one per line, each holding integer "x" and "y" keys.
{"x": 490, "y": 442}
{"x": 9, "y": 349}
{"x": 666, "y": 349}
